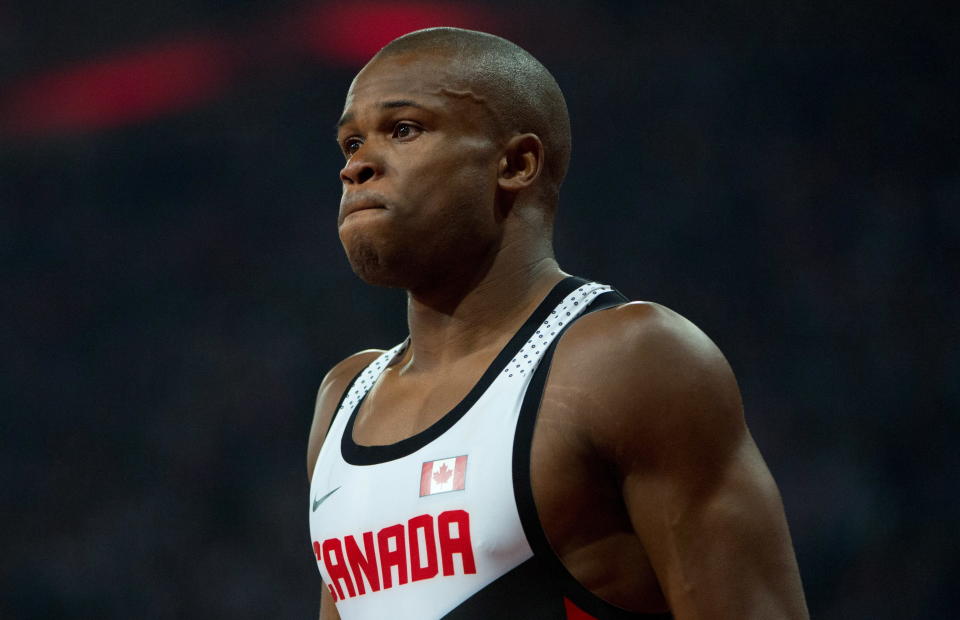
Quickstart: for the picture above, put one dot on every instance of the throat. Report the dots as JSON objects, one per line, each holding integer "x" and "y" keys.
{"x": 477, "y": 322}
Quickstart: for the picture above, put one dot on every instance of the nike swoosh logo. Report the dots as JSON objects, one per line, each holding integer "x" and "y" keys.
{"x": 317, "y": 502}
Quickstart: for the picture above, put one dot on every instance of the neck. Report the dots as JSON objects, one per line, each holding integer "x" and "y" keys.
{"x": 477, "y": 312}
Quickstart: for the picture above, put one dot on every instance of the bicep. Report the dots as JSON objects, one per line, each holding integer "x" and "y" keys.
{"x": 328, "y": 611}
{"x": 719, "y": 544}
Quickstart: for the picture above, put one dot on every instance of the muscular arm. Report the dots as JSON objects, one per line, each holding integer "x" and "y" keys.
{"x": 331, "y": 389}
{"x": 328, "y": 611}
{"x": 695, "y": 487}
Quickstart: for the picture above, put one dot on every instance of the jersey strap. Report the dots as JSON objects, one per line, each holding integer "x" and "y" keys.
{"x": 578, "y": 602}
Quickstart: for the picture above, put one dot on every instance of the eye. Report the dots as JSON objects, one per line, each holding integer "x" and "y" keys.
{"x": 351, "y": 146}
{"x": 405, "y": 131}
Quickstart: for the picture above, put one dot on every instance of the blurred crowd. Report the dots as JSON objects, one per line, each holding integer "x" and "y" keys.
{"x": 784, "y": 175}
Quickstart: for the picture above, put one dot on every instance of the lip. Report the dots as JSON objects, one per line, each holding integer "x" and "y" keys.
{"x": 354, "y": 206}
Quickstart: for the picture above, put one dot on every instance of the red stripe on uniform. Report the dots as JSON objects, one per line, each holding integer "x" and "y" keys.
{"x": 574, "y": 612}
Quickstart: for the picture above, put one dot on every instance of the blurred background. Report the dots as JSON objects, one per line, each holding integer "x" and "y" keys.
{"x": 785, "y": 175}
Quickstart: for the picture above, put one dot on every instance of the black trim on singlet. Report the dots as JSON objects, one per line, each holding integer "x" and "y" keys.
{"x": 343, "y": 397}
{"x": 357, "y": 454}
{"x": 523, "y": 592}
{"x": 336, "y": 410}
{"x": 523, "y": 490}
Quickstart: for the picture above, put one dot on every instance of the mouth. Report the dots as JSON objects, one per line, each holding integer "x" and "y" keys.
{"x": 356, "y": 207}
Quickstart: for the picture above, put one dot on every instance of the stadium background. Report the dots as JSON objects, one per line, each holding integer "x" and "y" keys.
{"x": 786, "y": 175}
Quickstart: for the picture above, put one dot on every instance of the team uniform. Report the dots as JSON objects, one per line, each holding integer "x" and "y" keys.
{"x": 443, "y": 524}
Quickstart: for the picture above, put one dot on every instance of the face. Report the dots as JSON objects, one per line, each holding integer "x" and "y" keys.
{"x": 420, "y": 179}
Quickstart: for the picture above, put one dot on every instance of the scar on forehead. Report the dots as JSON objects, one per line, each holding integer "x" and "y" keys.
{"x": 468, "y": 95}
{"x": 463, "y": 94}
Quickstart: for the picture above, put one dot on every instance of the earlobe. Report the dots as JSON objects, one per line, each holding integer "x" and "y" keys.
{"x": 521, "y": 163}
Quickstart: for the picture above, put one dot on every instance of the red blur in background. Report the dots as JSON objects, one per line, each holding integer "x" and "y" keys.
{"x": 141, "y": 84}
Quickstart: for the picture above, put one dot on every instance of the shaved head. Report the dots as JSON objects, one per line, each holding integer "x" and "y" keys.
{"x": 523, "y": 97}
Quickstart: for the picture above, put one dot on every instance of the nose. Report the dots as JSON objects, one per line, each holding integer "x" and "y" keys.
{"x": 358, "y": 170}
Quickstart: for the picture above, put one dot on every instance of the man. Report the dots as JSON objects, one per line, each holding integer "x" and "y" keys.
{"x": 538, "y": 447}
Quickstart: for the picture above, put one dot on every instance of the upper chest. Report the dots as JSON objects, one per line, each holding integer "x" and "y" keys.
{"x": 568, "y": 479}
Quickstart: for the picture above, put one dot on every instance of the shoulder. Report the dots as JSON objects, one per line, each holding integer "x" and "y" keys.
{"x": 638, "y": 329}
{"x": 642, "y": 339}
{"x": 648, "y": 378}
{"x": 331, "y": 390}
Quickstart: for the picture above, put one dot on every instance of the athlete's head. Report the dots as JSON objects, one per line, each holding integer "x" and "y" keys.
{"x": 456, "y": 143}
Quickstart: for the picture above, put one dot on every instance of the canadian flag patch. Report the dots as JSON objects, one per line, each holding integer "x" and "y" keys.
{"x": 443, "y": 475}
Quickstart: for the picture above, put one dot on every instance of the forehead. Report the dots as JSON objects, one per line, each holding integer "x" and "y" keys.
{"x": 406, "y": 71}
{"x": 429, "y": 79}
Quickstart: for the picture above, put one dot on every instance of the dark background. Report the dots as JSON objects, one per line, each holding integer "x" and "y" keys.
{"x": 785, "y": 175}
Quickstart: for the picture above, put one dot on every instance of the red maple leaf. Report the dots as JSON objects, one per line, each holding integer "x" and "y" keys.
{"x": 442, "y": 475}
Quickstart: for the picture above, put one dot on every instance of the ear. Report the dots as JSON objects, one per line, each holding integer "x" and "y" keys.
{"x": 521, "y": 163}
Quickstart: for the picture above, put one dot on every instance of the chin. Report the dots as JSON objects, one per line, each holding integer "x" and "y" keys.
{"x": 392, "y": 263}
{"x": 375, "y": 276}
{"x": 371, "y": 265}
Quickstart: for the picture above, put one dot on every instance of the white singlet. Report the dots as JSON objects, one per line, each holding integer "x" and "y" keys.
{"x": 442, "y": 524}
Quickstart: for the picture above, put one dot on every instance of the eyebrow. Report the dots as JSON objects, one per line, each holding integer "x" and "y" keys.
{"x": 386, "y": 105}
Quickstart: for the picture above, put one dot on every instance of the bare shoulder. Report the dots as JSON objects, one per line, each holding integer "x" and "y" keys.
{"x": 328, "y": 395}
{"x": 646, "y": 374}
{"x": 641, "y": 329}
